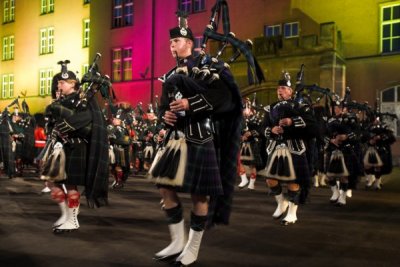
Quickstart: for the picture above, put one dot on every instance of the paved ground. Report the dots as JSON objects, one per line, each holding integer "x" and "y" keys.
{"x": 126, "y": 233}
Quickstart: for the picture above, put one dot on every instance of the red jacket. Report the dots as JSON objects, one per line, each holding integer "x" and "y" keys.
{"x": 40, "y": 137}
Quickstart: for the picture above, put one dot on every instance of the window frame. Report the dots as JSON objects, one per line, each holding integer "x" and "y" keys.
{"x": 122, "y": 66}
{"x": 391, "y": 23}
{"x": 121, "y": 15}
{"x": 273, "y": 27}
{"x": 8, "y": 50}
{"x": 46, "y": 7}
{"x": 285, "y": 35}
{"x": 127, "y": 62}
{"x": 7, "y": 86}
{"x": 86, "y": 33}
{"x": 192, "y": 6}
{"x": 45, "y": 80}
{"x": 116, "y": 64}
{"x": 46, "y": 41}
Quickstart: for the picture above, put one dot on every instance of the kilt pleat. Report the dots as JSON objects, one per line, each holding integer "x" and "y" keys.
{"x": 202, "y": 174}
{"x": 75, "y": 164}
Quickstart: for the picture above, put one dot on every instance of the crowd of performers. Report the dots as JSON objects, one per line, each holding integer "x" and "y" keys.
{"x": 307, "y": 141}
{"x": 197, "y": 139}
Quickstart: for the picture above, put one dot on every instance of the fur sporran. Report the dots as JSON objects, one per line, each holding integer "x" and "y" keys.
{"x": 372, "y": 158}
{"x": 246, "y": 153}
{"x": 280, "y": 165}
{"x": 54, "y": 167}
{"x": 169, "y": 164}
{"x": 337, "y": 166}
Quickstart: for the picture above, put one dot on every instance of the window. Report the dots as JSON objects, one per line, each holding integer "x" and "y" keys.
{"x": 85, "y": 69}
{"x": 45, "y": 78}
{"x": 391, "y": 104}
{"x": 127, "y": 58}
{"x": 291, "y": 29}
{"x": 46, "y": 6}
{"x": 8, "y": 48}
{"x": 192, "y": 6}
{"x": 273, "y": 30}
{"x": 86, "y": 32}
{"x": 122, "y": 13}
{"x": 7, "y": 86}
{"x": 122, "y": 64}
{"x": 390, "y": 28}
{"x": 197, "y": 45}
{"x": 8, "y": 11}
{"x": 116, "y": 65}
{"x": 46, "y": 41}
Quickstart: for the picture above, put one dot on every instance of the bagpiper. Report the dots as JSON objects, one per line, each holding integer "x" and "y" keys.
{"x": 120, "y": 143}
{"x": 378, "y": 155}
{"x": 287, "y": 124}
{"x": 252, "y": 146}
{"x": 343, "y": 161}
{"x": 78, "y": 146}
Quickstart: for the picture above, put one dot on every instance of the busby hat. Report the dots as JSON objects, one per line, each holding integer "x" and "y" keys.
{"x": 285, "y": 80}
{"x": 182, "y": 30}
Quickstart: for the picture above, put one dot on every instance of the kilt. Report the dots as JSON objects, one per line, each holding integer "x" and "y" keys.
{"x": 202, "y": 175}
{"x": 386, "y": 156}
{"x": 122, "y": 156}
{"x": 75, "y": 163}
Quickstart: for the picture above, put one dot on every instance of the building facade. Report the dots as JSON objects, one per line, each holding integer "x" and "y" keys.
{"x": 35, "y": 35}
{"x": 342, "y": 43}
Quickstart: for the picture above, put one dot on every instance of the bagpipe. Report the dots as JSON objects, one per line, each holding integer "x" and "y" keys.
{"x": 5, "y": 115}
{"x": 210, "y": 68}
{"x": 96, "y": 83}
{"x": 306, "y": 93}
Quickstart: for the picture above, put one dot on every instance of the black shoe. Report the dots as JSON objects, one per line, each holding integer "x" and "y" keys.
{"x": 57, "y": 231}
{"x": 286, "y": 223}
{"x": 180, "y": 264}
{"x": 338, "y": 204}
{"x": 166, "y": 258}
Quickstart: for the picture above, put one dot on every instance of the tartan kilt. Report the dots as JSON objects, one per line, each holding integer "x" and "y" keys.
{"x": 75, "y": 163}
{"x": 202, "y": 175}
{"x": 386, "y": 156}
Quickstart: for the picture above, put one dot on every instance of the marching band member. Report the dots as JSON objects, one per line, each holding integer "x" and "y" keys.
{"x": 287, "y": 123}
{"x": 378, "y": 156}
{"x": 251, "y": 148}
{"x": 212, "y": 148}
{"x": 120, "y": 143}
{"x": 79, "y": 132}
{"x": 343, "y": 161}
